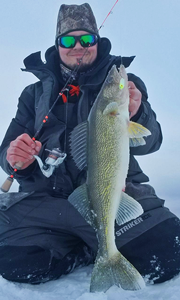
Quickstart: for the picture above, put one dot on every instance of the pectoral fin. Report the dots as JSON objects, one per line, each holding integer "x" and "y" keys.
{"x": 136, "y": 133}
{"x": 111, "y": 109}
{"x": 128, "y": 209}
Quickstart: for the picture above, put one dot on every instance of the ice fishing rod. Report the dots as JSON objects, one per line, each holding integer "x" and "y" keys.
{"x": 110, "y": 12}
{"x": 56, "y": 156}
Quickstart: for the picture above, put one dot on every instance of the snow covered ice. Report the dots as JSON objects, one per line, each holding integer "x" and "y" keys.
{"x": 75, "y": 286}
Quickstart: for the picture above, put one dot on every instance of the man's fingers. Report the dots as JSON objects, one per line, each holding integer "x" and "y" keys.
{"x": 16, "y": 151}
{"x": 22, "y": 150}
{"x": 25, "y": 143}
{"x": 131, "y": 85}
{"x": 134, "y": 93}
{"x": 18, "y": 165}
{"x": 18, "y": 144}
{"x": 38, "y": 146}
{"x": 29, "y": 142}
{"x": 135, "y": 97}
{"x": 19, "y": 157}
{"x": 26, "y": 139}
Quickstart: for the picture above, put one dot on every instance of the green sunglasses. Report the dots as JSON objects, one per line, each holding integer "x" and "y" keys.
{"x": 86, "y": 40}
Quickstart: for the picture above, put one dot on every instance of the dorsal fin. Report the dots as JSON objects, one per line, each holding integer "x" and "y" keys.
{"x": 78, "y": 145}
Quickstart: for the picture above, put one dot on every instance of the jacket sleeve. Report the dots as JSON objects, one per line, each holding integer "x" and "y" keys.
{"x": 22, "y": 123}
{"x": 146, "y": 117}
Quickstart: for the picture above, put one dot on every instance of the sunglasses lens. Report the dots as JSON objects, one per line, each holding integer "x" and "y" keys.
{"x": 88, "y": 40}
{"x": 67, "y": 41}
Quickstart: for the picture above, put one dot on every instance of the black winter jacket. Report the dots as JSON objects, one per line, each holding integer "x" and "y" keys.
{"x": 35, "y": 102}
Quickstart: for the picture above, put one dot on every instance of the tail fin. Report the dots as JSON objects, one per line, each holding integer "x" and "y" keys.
{"x": 115, "y": 271}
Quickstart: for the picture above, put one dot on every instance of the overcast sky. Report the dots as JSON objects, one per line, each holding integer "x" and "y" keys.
{"x": 148, "y": 29}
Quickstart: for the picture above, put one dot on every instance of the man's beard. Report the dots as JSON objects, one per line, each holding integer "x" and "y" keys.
{"x": 81, "y": 67}
{"x": 75, "y": 70}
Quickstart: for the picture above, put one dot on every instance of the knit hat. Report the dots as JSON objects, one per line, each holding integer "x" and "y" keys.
{"x": 75, "y": 17}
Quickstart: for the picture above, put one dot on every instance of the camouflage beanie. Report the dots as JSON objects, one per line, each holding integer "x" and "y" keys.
{"x": 75, "y": 17}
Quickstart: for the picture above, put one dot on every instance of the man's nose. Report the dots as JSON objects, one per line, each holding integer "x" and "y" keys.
{"x": 78, "y": 46}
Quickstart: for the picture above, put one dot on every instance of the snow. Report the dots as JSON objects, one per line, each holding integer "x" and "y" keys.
{"x": 75, "y": 286}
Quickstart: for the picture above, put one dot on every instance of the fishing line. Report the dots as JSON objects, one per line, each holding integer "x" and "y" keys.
{"x": 7, "y": 184}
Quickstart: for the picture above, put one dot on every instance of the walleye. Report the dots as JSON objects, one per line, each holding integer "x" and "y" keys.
{"x": 102, "y": 145}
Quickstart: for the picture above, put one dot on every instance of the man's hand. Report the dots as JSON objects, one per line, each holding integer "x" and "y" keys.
{"x": 134, "y": 98}
{"x": 22, "y": 150}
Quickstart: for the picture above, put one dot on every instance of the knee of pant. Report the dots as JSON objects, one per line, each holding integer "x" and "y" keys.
{"x": 18, "y": 263}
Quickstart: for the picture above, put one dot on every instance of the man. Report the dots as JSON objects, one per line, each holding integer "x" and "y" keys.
{"x": 42, "y": 236}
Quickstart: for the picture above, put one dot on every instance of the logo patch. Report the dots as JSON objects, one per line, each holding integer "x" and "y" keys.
{"x": 132, "y": 224}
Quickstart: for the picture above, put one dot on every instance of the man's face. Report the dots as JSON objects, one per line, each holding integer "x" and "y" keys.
{"x": 71, "y": 57}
